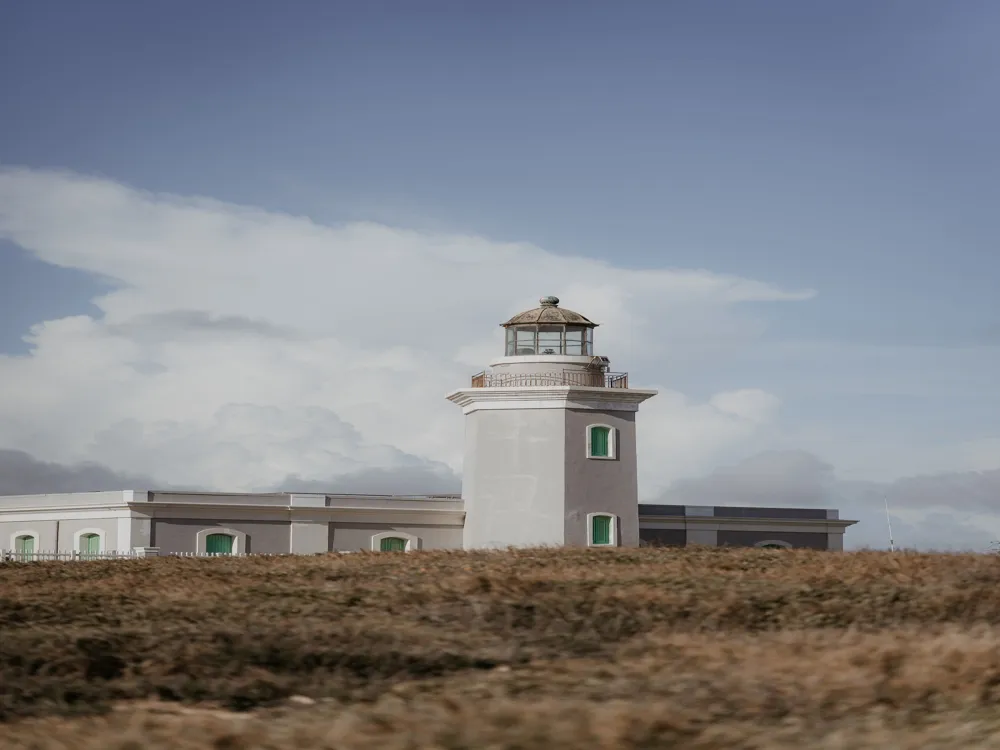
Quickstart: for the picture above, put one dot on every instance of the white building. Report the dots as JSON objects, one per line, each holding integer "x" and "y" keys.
{"x": 550, "y": 459}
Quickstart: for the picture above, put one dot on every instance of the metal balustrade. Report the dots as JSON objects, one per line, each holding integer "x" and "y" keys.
{"x": 579, "y": 378}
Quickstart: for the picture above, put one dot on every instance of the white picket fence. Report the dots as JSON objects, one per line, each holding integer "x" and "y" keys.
{"x": 9, "y": 555}
{"x": 218, "y": 554}
{"x": 14, "y": 556}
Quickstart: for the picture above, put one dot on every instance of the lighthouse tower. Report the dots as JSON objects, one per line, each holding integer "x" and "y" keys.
{"x": 550, "y": 441}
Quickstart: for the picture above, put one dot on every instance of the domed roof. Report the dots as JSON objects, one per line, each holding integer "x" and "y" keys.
{"x": 549, "y": 312}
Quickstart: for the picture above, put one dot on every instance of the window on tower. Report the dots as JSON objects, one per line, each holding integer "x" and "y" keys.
{"x": 601, "y": 441}
{"x": 602, "y": 530}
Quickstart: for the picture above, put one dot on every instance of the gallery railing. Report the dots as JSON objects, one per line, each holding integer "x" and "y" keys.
{"x": 567, "y": 377}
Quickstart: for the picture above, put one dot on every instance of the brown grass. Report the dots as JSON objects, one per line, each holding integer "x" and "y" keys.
{"x": 652, "y": 648}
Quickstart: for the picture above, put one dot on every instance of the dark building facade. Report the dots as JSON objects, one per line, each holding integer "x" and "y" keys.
{"x": 740, "y": 526}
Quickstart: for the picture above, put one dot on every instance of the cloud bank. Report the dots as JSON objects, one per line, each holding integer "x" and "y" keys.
{"x": 239, "y": 347}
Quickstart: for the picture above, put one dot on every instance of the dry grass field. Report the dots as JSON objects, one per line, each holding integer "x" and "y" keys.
{"x": 607, "y": 649}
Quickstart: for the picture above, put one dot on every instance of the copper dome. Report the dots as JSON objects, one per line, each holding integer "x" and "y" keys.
{"x": 549, "y": 313}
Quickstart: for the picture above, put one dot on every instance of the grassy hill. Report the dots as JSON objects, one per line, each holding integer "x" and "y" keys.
{"x": 652, "y": 648}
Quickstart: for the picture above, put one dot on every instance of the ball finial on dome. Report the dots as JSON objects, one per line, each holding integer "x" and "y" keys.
{"x": 549, "y": 301}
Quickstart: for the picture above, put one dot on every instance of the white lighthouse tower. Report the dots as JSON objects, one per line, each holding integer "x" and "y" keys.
{"x": 550, "y": 441}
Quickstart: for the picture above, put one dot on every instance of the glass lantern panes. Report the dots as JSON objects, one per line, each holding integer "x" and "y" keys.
{"x": 525, "y": 341}
{"x": 509, "y": 349}
{"x": 550, "y": 340}
{"x": 574, "y": 341}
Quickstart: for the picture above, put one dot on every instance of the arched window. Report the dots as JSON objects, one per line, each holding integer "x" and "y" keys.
{"x": 394, "y": 541}
{"x": 219, "y": 544}
{"x": 24, "y": 545}
{"x": 89, "y": 541}
{"x": 24, "y": 541}
{"x": 601, "y": 441}
{"x": 392, "y": 544}
{"x": 216, "y": 540}
{"x": 90, "y": 544}
{"x": 602, "y": 530}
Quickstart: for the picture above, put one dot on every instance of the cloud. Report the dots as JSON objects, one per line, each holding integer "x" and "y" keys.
{"x": 239, "y": 347}
{"x": 21, "y": 474}
{"x": 943, "y": 512}
{"x": 169, "y": 324}
{"x": 416, "y": 480}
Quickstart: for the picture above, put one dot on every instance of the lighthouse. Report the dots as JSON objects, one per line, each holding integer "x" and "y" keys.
{"x": 550, "y": 440}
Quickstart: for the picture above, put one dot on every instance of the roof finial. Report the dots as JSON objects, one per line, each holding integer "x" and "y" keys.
{"x": 549, "y": 301}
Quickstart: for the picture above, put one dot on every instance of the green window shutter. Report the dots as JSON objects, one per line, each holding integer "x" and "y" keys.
{"x": 392, "y": 544}
{"x": 219, "y": 544}
{"x": 601, "y": 531}
{"x": 599, "y": 441}
{"x": 24, "y": 545}
{"x": 90, "y": 544}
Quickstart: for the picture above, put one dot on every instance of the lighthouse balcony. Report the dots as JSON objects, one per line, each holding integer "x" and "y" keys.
{"x": 579, "y": 378}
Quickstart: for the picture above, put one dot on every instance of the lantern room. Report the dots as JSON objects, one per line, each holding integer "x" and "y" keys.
{"x": 549, "y": 330}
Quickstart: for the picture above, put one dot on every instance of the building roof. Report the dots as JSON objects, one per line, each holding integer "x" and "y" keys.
{"x": 730, "y": 512}
{"x": 550, "y": 312}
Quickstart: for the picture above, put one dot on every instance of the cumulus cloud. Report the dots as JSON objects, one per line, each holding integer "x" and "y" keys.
{"x": 415, "y": 480}
{"x": 239, "y": 348}
{"x": 21, "y": 474}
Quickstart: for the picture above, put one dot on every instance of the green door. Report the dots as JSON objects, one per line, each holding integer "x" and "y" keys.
{"x": 24, "y": 545}
{"x": 219, "y": 544}
{"x": 90, "y": 544}
{"x": 599, "y": 441}
{"x": 601, "y": 531}
{"x": 392, "y": 544}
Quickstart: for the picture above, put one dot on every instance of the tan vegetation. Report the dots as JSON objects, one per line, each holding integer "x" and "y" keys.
{"x": 651, "y": 648}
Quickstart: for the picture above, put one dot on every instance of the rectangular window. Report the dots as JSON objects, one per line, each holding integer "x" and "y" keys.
{"x": 509, "y": 350}
{"x": 601, "y": 531}
{"x": 600, "y": 442}
{"x": 24, "y": 545}
{"x": 588, "y": 348}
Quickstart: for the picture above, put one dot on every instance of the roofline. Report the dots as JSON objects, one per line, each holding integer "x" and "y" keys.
{"x": 588, "y": 324}
{"x": 285, "y": 493}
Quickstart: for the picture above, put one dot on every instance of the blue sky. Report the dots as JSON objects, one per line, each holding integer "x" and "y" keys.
{"x": 843, "y": 147}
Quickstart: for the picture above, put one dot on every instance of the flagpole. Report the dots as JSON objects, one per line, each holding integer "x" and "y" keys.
{"x": 892, "y": 546}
